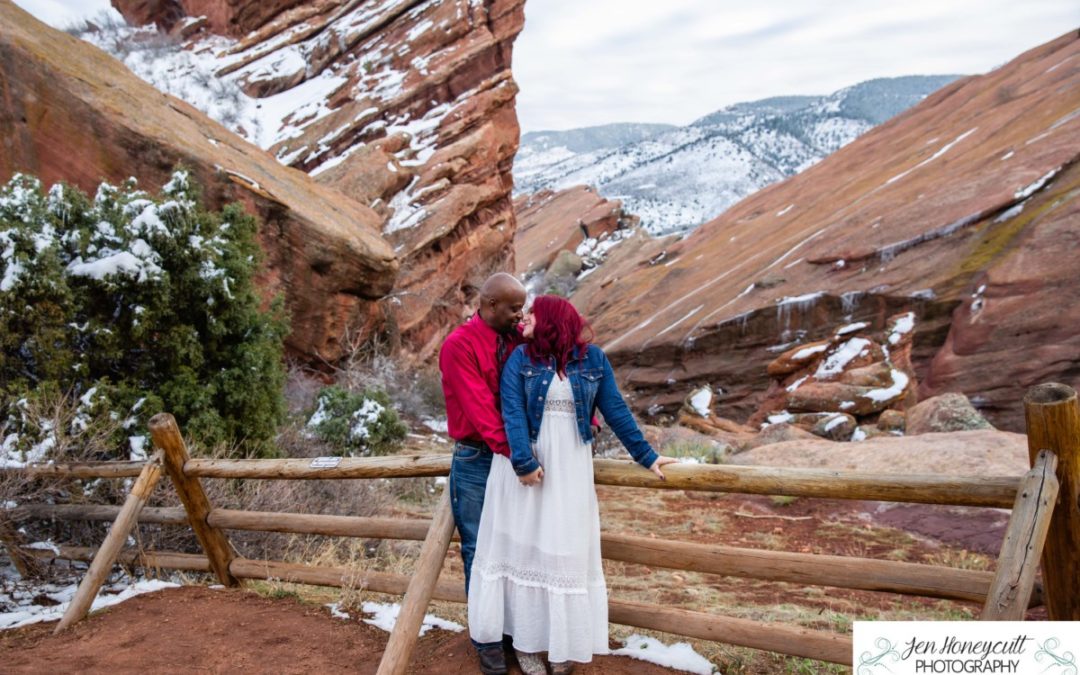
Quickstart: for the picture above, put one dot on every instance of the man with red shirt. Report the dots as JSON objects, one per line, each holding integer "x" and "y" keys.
{"x": 471, "y": 361}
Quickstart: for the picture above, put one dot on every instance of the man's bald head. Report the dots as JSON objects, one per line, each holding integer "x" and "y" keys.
{"x": 502, "y": 299}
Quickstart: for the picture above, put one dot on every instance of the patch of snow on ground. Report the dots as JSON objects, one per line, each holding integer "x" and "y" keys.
{"x": 24, "y": 612}
{"x": 680, "y": 656}
{"x": 439, "y": 425}
{"x": 385, "y": 616}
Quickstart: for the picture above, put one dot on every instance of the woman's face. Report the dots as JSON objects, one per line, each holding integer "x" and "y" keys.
{"x": 528, "y": 324}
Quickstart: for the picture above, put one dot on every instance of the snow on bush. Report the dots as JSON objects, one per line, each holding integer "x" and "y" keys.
{"x": 128, "y": 304}
{"x": 358, "y": 424}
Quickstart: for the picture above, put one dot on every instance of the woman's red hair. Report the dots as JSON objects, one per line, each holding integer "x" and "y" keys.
{"x": 558, "y": 331}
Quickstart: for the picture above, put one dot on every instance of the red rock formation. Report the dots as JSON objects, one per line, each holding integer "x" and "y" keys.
{"x": 226, "y": 17}
{"x": 419, "y": 124}
{"x": 69, "y": 112}
{"x": 549, "y": 222}
{"x": 962, "y": 209}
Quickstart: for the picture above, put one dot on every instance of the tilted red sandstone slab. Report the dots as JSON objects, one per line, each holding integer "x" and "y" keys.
{"x": 69, "y": 112}
{"x": 552, "y": 221}
{"x": 420, "y": 126}
{"x": 963, "y": 209}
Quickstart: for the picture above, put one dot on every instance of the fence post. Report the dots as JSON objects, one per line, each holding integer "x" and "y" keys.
{"x": 1014, "y": 580}
{"x": 110, "y": 548}
{"x": 1053, "y": 423}
{"x": 166, "y": 435}
{"x": 399, "y": 647}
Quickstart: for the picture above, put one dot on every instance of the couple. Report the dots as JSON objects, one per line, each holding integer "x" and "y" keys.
{"x": 520, "y": 401}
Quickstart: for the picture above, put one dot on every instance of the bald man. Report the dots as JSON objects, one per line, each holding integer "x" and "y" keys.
{"x": 471, "y": 361}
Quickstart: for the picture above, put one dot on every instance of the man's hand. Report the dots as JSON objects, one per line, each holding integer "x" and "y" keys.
{"x": 530, "y": 479}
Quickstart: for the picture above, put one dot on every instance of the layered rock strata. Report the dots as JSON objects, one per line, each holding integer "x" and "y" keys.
{"x": 406, "y": 106}
{"x": 70, "y": 112}
{"x": 962, "y": 210}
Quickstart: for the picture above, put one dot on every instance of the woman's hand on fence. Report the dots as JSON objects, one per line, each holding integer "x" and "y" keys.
{"x": 533, "y": 478}
{"x": 661, "y": 461}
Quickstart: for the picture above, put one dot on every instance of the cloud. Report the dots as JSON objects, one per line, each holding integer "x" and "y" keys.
{"x": 585, "y": 63}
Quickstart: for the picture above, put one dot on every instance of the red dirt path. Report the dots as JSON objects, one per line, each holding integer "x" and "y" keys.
{"x": 196, "y": 629}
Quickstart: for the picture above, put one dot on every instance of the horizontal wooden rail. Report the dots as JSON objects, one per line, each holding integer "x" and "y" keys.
{"x": 823, "y": 483}
{"x": 339, "y": 577}
{"x": 79, "y": 470}
{"x": 397, "y": 466}
{"x": 849, "y": 572}
{"x": 773, "y": 637}
{"x": 334, "y": 526}
{"x": 148, "y": 559}
{"x": 173, "y": 515}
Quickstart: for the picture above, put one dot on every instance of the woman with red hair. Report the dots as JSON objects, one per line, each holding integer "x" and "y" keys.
{"x": 537, "y": 574}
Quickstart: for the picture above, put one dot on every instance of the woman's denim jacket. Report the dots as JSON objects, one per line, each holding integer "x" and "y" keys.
{"x": 523, "y": 390}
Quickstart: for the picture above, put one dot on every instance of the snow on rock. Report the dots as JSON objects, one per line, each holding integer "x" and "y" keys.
{"x": 680, "y": 656}
{"x": 836, "y": 361}
{"x": 701, "y": 401}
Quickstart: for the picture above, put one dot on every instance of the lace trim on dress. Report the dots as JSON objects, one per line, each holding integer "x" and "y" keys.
{"x": 559, "y": 405}
{"x": 555, "y": 583}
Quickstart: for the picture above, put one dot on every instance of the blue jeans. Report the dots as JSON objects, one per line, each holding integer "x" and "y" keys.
{"x": 469, "y": 471}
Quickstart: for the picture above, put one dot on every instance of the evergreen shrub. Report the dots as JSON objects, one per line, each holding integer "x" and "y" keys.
{"x": 127, "y": 305}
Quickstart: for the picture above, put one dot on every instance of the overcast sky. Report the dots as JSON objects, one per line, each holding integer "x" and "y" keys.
{"x": 585, "y": 62}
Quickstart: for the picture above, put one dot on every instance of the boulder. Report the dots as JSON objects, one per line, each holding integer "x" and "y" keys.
{"x": 849, "y": 398}
{"x": 553, "y": 221}
{"x": 866, "y": 431}
{"x": 892, "y": 421}
{"x": 947, "y": 412}
{"x": 797, "y": 358}
{"x": 959, "y": 453}
{"x": 566, "y": 264}
{"x": 780, "y": 433}
{"x": 835, "y": 427}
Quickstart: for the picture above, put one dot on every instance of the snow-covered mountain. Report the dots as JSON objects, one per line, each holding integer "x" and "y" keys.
{"x": 675, "y": 178}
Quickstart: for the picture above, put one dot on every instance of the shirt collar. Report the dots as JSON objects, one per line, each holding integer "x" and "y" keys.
{"x": 479, "y": 324}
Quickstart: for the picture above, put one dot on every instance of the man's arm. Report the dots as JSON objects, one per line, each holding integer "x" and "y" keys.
{"x": 463, "y": 382}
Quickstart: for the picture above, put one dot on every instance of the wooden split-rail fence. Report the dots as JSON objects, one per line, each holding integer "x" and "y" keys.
{"x": 1044, "y": 526}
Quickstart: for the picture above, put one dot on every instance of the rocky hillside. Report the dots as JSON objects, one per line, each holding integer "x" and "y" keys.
{"x": 72, "y": 113}
{"x": 962, "y": 210}
{"x": 404, "y": 106}
{"x": 676, "y": 178}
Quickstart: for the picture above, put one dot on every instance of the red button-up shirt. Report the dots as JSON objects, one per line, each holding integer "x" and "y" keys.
{"x": 470, "y": 380}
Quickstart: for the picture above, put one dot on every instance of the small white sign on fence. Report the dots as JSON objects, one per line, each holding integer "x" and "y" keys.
{"x": 325, "y": 462}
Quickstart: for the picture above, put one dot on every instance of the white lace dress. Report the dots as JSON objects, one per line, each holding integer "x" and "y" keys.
{"x": 537, "y": 573}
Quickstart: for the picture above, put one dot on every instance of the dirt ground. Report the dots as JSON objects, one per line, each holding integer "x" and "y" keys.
{"x": 197, "y": 629}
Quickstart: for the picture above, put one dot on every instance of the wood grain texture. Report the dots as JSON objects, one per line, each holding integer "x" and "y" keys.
{"x": 1053, "y": 423}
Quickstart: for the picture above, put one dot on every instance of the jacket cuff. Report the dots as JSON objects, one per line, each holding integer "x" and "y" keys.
{"x": 527, "y": 468}
{"x": 649, "y": 459}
